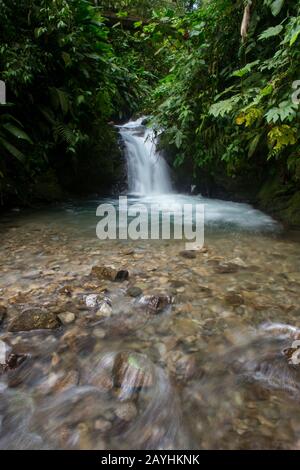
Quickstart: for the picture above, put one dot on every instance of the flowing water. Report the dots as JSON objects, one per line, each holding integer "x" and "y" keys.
{"x": 147, "y": 171}
{"x": 192, "y": 351}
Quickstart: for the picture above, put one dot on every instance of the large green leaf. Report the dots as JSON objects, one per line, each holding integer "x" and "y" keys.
{"x": 295, "y": 36}
{"x": 16, "y": 132}
{"x": 221, "y": 108}
{"x": 245, "y": 70}
{"x": 276, "y": 7}
{"x": 12, "y": 150}
{"x": 271, "y": 32}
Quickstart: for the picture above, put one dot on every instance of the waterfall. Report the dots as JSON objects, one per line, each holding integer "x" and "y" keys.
{"x": 148, "y": 172}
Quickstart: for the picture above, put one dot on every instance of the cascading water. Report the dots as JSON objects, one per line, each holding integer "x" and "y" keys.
{"x": 149, "y": 182}
{"x": 148, "y": 172}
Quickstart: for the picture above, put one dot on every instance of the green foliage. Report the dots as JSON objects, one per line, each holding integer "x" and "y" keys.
{"x": 72, "y": 67}
{"x": 238, "y": 95}
{"x": 67, "y": 75}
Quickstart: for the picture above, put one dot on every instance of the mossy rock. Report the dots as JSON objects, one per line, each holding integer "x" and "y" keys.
{"x": 292, "y": 212}
{"x": 281, "y": 201}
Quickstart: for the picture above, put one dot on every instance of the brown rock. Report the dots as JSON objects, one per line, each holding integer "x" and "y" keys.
{"x": 234, "y": 299}
{"x": 102, "y": 425}
{"x": 66, "y": 318}
{"x": 155, "y": 303}
{"x": 185, "y": 327}
{"x": 188, "y": 254}
{"x": 131, "y": 372}
{"x": 186, "y": 367}
{"x": 126, "y": 411}
{"x": 226, "y": 268}
{"x": 103, "y": 381}
{"x": 103, "y": 272}
{"x": 34, "y": 319}
{"x": 66, "y": 290}
{"x": 134, "y": 291}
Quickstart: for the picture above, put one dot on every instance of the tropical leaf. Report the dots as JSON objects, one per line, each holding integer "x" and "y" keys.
{"x": 271, "y": 32}
{"x": 12, "y": 150}
{"x": 276, "y": 6}
{"x": 16, "y": 132}
{"x": 245, "y": 70}
{"x": 224, "y": 107}
{"x": 295, "y": 35}
{"x": 253, "y": 145}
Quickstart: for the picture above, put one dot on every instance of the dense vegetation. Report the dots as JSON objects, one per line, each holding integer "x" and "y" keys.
{"x": 67, "y": 75}
{"x": 220, "y": 77}
{"x": 230, "y": 103}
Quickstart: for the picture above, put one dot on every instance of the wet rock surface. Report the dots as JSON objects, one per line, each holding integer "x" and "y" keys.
{"x": 187, "y": 352}
{"x": 155, "y": 303}
{"x": 34, "y": 319}
{"x": 131, "y": 372}
{"x": 110, "y": 274}
{"x": 134, "y": 291}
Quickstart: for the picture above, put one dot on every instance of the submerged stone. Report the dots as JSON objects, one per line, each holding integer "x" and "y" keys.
{"x": 66, "y": 318}
{"x": 8, "y": 360}
{"x": 234, "y": 299}
{"x": 134, "y": 291}
{"x": 92, "y": 300}
{"x": 105, "y": 309}
{"x": 110, "y": 274}
{"x": 226, "y": 268}
{"x": 189, "y": 254}
{"x": 34, "y": 319}
{"x": 131, "y": 372}
{"x": 156, "y": 303}
{"x": 126, "y": 411}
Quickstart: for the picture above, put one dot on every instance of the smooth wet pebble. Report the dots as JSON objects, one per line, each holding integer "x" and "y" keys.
{"x": 66, "y": 318}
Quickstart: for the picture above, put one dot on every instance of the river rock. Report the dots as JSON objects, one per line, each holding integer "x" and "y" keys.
{"x": 128, "y": 252}
{"x": 134, "y": 291}
{"x": 185, "y": 327}
{"x": 105, "y": 309}
{"x": 103, "y": 272}
{"x": 66, "y": 318}
{"x": 226, "y": 268}
{"x": 126, "y": 411}
{"x": 93, "y": 300}
{"x": 102, "y": 425}
{"x": 156, "y": 303}
{"x": 99, "y": 333}
{"x": 8, "y": 360}
{"x": 2, "y": 313}
{"x": 177, "y": 283}
{"x": 188, "y": 254}
{"x": 66, "y": 290}
{"x": 234, "y": 299}
{"x": 102, "y": 380}
{"x": 131, "y": 372}
{"x": 34, "y": 319}
{"x": 15, "y": 360}
{"x": 186, "y": 367}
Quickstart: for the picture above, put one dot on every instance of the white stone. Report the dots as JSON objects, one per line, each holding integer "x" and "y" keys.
{"x": 91, "y": 300}
{"x": 104, "y": 310}
{"x": 4, "y": 352}
{"x": 66, "y": 318}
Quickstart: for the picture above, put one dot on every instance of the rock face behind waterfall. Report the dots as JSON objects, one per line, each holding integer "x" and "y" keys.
{"x": 148, "y": 172}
